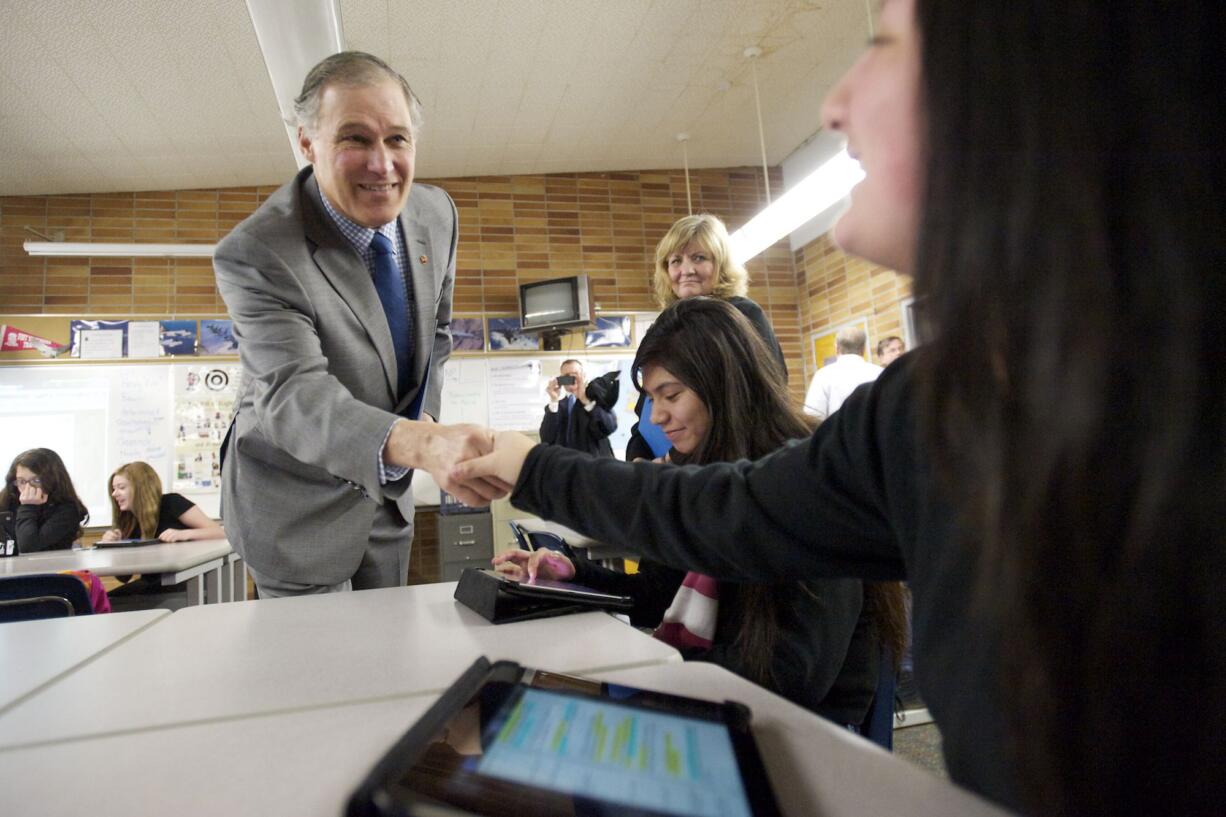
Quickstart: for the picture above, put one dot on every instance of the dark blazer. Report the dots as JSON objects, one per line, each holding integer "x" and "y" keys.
{"x": 301, "y": 483}
{"x": 588, "y": 430}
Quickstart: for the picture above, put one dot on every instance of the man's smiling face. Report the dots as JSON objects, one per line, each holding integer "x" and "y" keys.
{"x": 363, "y": 150}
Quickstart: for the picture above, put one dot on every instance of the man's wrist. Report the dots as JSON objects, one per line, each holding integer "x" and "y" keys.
{"x": 406, "y": 444}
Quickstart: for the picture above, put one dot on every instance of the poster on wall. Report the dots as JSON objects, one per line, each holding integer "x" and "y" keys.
{"x": 506, "y": 335}
{"x": 204, "y": 401}
{"x": 610, "y": 332}
{"x": 217, "y": 338}
{"x": 101, "y": 345}
{"x": 178, "y": 337}
{"x": 517, "y": 394}
{"x": 467, "y": 335}
{"x": 824, "y": 351}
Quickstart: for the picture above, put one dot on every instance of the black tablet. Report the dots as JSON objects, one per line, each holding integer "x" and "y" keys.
{"x": 563, "y": 591}
{"x": 507, "y": 740}
{"x": 127, "y": 543}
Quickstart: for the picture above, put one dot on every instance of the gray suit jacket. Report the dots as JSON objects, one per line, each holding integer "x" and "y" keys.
{"x": 301, "y": 484}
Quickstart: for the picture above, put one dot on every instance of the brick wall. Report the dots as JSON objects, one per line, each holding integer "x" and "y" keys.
{"x": 835, "y": 288}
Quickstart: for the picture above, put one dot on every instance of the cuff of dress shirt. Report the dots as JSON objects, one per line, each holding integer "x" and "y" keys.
{"x": 389, "y": 473}
{"x": 552, "y": 407}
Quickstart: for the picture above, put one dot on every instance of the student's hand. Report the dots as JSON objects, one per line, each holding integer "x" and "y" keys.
{"x": 521, "y": 565}
{"x": 499, "y": 467}
{"x": 111, "y": 535}
{"x": 437, "y": 449}
{"x": 33, "y": 495}
{"x": 175, "y": 535}
{"x": 553, "y": 390}
{"x": 665, "y": 459}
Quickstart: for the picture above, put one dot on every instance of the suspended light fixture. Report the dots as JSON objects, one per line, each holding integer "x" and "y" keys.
{"x": 67, "y": 249}
{"x": 813, "y": 194}
{"x": 685, "y": 160}
{"x": 819, "y": 190}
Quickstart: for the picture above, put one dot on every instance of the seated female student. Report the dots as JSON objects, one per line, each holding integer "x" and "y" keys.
{"x": 139, "y": 509}
{"x": 719, "y": 395}
{"x": 46, "y": 512}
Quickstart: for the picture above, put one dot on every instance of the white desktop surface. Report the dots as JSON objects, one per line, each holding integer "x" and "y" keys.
{"x": 34, "y": 653}
{"x": 816, "y": 767}
{"x": 308, "y": 762}
{"x": 297, "y": 765}
{"x": 166, "y": 557}
{"x": 276, "y": 655}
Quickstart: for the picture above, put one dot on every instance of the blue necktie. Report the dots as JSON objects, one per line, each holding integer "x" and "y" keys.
{"x": 389, "y": 283}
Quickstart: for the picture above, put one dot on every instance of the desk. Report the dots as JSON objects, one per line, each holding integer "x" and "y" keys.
{"x": 307, "y": 762}
{"x": 201, "y": 564}
{"x": 275, "y": 655}
{"x": 36, "y": 653}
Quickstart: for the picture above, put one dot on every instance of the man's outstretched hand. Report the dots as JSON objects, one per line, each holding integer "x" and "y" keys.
{"x": 438, "y": 449}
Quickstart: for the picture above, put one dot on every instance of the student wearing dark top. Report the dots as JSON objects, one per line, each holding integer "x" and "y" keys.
{"x": 1050, "y": 174}
{"x": 46, "y": 512}
{"x": 139, "y": 509}
{"x": 718, "y": 395}
{"x": 694, "y": 258}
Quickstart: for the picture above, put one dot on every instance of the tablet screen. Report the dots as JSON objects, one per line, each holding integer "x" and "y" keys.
{"x": 620, "y": 754}
{"x": 554, "y": 745}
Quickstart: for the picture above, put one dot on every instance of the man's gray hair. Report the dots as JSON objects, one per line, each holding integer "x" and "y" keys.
{"x": 354, "y": 69}
{"x": 850, "y": 340}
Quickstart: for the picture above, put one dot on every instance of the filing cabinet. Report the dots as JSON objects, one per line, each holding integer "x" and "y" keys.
{"x": 464, "y": 540}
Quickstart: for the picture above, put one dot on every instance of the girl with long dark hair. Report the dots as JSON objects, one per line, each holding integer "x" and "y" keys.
{"x": 719, "y": 395}
{"x": 46, "y": 512}
{"x": 1048, "y": 471}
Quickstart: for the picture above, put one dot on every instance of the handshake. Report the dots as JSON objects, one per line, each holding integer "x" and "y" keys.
{"x": 474, "y": 464}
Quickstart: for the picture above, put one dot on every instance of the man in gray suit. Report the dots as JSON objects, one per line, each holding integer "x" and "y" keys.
{"x": 340, "y": 287}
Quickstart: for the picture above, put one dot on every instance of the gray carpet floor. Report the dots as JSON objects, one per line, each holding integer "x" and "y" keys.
{"x": 921, "y": 745}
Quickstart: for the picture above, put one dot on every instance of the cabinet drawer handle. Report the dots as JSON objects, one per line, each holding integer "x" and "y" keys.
{"x": 463, "y": 542}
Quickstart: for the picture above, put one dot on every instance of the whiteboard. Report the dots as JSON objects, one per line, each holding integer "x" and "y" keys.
{"x": 507, "y": 392}
{"x": 95, "y": 417}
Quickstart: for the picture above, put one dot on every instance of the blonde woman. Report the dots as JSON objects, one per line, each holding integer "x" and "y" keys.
{"x": 695, "y": 258}
{"x": 139, "y": 509}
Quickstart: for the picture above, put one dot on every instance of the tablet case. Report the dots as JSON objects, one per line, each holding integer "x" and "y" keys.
{"x": 497, "y": 601}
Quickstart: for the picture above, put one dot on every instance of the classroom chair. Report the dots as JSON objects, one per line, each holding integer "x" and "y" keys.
{"x": 42, "y": 595}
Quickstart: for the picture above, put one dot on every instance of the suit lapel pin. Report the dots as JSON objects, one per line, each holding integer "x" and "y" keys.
{"x": 423, "y": 258}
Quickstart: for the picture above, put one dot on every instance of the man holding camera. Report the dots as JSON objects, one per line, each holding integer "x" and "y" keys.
{"x": 576, "y": 421}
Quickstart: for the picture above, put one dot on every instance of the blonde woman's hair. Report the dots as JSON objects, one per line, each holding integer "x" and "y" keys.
{"x": 730, "y": 277}
{"x": 142, "y": 520}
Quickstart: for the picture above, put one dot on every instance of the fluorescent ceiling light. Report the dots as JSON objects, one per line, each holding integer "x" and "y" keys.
{"x": 65, "y": 249}
{"x": 813, "y": 194}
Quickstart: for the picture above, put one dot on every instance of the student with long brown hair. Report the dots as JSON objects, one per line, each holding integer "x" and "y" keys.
{"x": 139, "y": 509}
{"x": 46, "y": 512}
{"x": 719, "y": 395}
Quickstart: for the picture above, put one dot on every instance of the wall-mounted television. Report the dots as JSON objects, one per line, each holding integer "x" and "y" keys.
{"x": 555, "y": 305}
